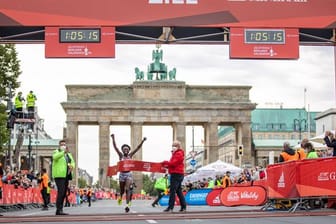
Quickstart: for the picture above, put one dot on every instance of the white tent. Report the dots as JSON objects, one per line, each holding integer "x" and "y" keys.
{"x": 213, "y": 169}
{"x": 316, "y": 145}
{"x": 319, "y": 138}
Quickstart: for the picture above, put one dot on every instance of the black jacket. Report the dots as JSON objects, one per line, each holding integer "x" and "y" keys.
{"x": 331, "y": 143}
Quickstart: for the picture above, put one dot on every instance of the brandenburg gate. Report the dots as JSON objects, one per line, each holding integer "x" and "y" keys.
{"x": 158, "y": 103}
{"x": 161, "y": 101}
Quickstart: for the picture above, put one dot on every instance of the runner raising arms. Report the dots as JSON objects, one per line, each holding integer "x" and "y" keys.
{"x": 125, "y": 177}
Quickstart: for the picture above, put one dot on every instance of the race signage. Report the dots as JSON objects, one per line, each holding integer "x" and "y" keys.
{"x": 79, "y": 42}
{"x": 264, "y": 43}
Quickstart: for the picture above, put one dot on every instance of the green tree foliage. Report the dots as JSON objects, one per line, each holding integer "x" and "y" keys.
{"x": 114, "y": 185}
{"x": 148, "y": 184}
{"x": 9, "y": 74}
{"x": 81, "y": 183}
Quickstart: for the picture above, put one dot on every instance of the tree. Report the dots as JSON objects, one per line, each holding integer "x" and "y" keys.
{"x": 81, "y": 183}
{"x": 148, "y": 184}
{"x": 9, "y": 74}
{"x": 114, "y": 185}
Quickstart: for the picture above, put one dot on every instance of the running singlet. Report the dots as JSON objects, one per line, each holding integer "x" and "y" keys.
{"x": 125, "y": 175}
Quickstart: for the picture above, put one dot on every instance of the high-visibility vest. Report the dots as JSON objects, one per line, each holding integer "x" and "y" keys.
{"x": 161, "y": 183}
{"x": 31, "y": 100}
{"x": 302, "y": 154}
{"x": 226, "y": 182}
{"x": 211, "y": 184}
{"x": 288, "y": 157}
{"x": 44, "y": 181}
{"x": 18, "y": 102}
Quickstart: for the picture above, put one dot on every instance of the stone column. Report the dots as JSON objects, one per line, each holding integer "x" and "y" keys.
{"x": 239, "y": 141}
{"x": 72, "y": 143}
{"x": 179, "y": 133}
{"x": 104, "y": 152}
{"x": 211, "y": 142}
{"x": 246, "y": 142}
{"x": 136, "y": 138}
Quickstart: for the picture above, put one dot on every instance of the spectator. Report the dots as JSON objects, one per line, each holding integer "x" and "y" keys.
{"x": 226, "y": 181}
{"x": 218, "y": 181}
{"x": 330, "y": 141}
{"x": 311, "y": 154}
{"x": 301, "y": 151}
{"x": 288, "y": 153}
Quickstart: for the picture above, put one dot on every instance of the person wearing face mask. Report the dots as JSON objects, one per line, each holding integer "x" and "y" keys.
{"x": 176, "y": 170}
{"x": 125, "y": 177}
{"x": 62, "y": 167}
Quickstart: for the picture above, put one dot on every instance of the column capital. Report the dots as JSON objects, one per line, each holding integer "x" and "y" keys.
{"x": 137, "y": 123}
{"x": 71, "y": 122}
{"x": 104, "y": 122}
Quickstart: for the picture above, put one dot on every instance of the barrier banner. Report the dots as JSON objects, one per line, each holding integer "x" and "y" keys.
{"x": 317, "y": 177}
{"x": 164, "y": 201}
{"x": 251, "y": 196}
{"x": 282, "y": 180}
{"x": 197, "y": 196}
{"x": 135, "y": 165}
{"x": 213, "y": 198}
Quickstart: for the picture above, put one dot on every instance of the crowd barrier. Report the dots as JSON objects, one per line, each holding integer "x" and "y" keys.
{"x": 18, "y": 197}
{"x": 302, "y": 180}
{"x": 295, "y": 180}
{"x": 21, "y": 198}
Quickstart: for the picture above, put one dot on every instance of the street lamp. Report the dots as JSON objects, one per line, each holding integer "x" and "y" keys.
{"x": 30, "y": 148}
{"x": 298, "y": 126}
{"x": 9, "y": 108}
{"x": 34, "y": 159}
{"x": 36, "y": 154}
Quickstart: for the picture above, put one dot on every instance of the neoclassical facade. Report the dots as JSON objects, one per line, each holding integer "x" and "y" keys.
{"x": 158, "y": 103}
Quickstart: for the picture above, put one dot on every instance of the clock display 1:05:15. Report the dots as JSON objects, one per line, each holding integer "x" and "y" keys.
{"x": 264, "y": 36}
{"x": 75, "y": 35}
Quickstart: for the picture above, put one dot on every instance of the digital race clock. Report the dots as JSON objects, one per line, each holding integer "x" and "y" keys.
{"x": 79, "y": 35}
{"x": 264, "y": 36}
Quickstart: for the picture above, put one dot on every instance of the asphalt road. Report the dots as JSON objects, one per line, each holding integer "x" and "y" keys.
{"x": 107, "y": 211}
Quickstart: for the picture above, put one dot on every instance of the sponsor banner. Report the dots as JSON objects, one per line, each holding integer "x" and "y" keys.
{"x": 261, "y": 43}
{"x": 135, "y": 165}
{"x": 80, "y": 42}
{"x": 197, "y": 196}
{"x": 213, "y": 198}
{"x": 282, "y": 179}
{"x": 251, "y": 196}
{"x": 165, "y": 200}
{"x": 182, "y": 13}
{"x": 317, "y": 177}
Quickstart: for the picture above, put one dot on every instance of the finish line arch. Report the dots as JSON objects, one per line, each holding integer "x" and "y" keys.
{"x": 174, "y": 21}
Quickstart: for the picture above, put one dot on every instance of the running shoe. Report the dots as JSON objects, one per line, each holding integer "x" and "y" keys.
{"x": 127, "y": 209}
{"x": 119, "y": 201}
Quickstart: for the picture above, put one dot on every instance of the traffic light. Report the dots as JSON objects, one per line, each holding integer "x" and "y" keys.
{"x": 240, "y": 150}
